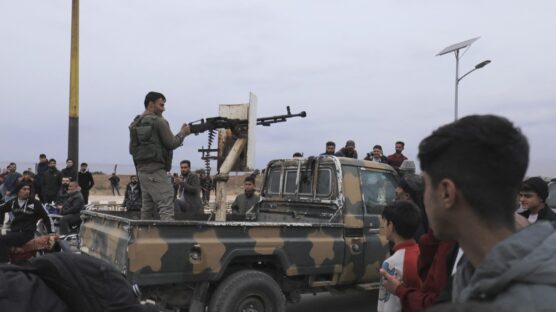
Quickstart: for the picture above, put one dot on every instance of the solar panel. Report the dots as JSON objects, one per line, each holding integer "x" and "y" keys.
{"x": 457, "y": 46}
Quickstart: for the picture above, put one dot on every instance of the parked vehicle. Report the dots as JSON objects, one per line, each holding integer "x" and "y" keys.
{"x": 316, "y": 228}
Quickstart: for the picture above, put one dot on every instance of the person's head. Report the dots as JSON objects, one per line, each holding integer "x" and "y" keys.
{"x": 377, "y": 151}
{"x": 23, "y": 190}
{"x": 249, "y": 184}
{"x": 73, "y": 187}
{"x": 297, "y": 154}
{"x": 155, "y": 102}
{"x": 399, "y": 147}
{"x": 350, "y": 146}
{"x": 410, "y": 188}
{"x": 330, "y": 147}
{"x": 133, "y": 179}
{"x": 12, "y": 167}
{"x": 185, "y": 167}
{"x": 69, "y": 163}
{"x": 42, "y": 158}
{"x": 84, "y": 166}
{"x": 401, "y": 218}
{"x": 472, "y": 171}
{"x": 52, "y": 163}
{"x": 66, "y": 181}
{"x": 533, "y": 194}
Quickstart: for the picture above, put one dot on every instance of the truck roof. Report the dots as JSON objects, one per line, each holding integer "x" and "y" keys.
{"x": 331, "y": 159}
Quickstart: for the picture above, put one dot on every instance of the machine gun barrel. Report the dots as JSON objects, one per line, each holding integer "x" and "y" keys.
{"x": 213, "y": 123}
{"x": 267, "y": 121}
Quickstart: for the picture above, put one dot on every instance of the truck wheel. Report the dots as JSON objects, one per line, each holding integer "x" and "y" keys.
{"x": 248, "y": 291}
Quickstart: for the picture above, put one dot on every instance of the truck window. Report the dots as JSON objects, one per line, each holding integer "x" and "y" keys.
{"x": 291, "y": 177}
{"x": 324, "y": 183}
{"x": 306, "y": 184}
{"x": 274, "y": 181}
{"x": 378, "y": 189}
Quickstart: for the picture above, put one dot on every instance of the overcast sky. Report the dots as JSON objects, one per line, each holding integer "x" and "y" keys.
{"x": 363, "y": 70}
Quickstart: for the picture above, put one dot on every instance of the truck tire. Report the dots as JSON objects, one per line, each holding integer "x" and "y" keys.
{"x": 248, "y": 290}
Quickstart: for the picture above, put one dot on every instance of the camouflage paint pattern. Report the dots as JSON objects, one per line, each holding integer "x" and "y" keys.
{"x": 332, "y": 237}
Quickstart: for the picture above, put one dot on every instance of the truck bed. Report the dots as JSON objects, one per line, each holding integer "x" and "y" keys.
{"x": 152, "y": 252}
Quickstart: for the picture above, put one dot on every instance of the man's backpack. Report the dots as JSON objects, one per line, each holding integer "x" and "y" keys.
{"x": 144, "y": 145}
{"x": 86, "y": 283}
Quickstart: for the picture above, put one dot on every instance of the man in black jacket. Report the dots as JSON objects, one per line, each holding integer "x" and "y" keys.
{"x": 26, "y": 211}
{"x": 71, "y": 209}
{"x": 86, "y": 182}
{"x": 132, "y": 198}
{"x": 532, "y": 198}
{"x": 51, "y": 181}
{"x": 40, "y": 169}
{"x": 70, "y": 171}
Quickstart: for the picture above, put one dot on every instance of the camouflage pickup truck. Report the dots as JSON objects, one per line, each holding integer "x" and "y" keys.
{"x": 316, "y": 228}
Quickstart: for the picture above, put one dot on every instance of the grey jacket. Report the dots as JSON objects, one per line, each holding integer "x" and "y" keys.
{"x": 189, "y": 199}
{"x": 519, "y": 273}
{"x": 74, "y": 204}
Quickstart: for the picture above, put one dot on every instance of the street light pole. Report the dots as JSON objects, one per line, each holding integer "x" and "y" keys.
{"x": 456, "y": 49}
{"x": 73, "y": 126}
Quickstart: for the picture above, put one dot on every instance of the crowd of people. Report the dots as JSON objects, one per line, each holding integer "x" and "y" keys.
{"x": 24, "y": 197}
{"x": 470, "y": 229}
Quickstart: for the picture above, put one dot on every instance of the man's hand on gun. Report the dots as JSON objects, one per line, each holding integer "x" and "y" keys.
{"x": 185, "y": 129}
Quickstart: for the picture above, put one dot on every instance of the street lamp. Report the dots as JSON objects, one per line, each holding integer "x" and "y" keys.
{"x": 456, "y": 49}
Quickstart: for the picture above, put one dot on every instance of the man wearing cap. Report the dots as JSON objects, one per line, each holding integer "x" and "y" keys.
{"x": 26, "y": 211}
{"x": 532, "y": 197}
{"x": 348, "y": 150}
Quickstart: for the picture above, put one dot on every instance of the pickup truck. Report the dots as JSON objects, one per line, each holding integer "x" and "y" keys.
{"x": 316, "y": 228}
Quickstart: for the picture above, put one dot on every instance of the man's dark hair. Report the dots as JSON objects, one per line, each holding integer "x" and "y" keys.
{"x": 413, "y": 185}
{"x": 185, "y": 162}
{"x": 42, "y": 156}
{"x": 84, "y": 164}
{"x": 400, "y": 142}
{"x": 377, "y": 146}
{"x": 329, "y": 143}
{"x": 153, "y": 96}
{"x": 486, "y": 157}
{"x": 133, "y": 176}
{"x": 405, "y": 216}
{"x": 52, "y": 160}
{"x": 297, "y": 154}
{"x": 69, "y": 159}
{"x": 249, "y": 178}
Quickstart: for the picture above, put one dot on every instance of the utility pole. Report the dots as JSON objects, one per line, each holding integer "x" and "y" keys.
{"x": 73, "y": 127}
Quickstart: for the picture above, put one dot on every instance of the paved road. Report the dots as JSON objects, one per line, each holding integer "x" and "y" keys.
{"x": 325, "y": 302}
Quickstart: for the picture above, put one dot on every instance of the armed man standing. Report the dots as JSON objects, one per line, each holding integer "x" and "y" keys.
{"x": 151, "y": 145}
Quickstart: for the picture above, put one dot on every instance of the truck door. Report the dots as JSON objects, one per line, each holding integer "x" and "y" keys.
{"x": 354, "y": 236}
{"x": 378, "y": 190}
